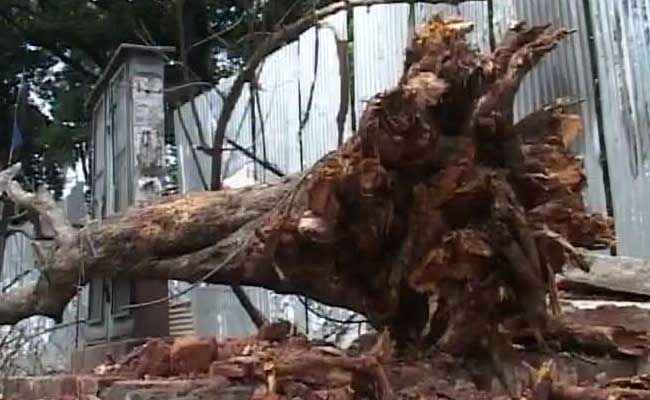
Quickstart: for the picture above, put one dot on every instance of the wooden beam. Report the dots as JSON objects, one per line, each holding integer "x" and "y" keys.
{"x": 620, "y": 274}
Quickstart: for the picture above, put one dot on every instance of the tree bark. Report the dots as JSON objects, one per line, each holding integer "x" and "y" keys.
{"x": 440, "y": 219}
{"x": 544, "y": 388}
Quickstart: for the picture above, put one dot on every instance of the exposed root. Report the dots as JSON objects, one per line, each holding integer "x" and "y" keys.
{"x": 440, "y": 220}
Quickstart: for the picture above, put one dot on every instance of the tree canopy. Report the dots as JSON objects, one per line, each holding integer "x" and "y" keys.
{"x": 60, "y": 47}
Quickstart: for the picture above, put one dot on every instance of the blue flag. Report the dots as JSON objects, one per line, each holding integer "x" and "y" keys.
{"x": 16, "y": 136}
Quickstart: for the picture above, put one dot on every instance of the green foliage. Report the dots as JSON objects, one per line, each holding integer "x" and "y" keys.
{"x": 63, "y": 45}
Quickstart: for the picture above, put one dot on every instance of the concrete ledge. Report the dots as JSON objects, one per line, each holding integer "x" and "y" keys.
{"x": 619, "y": 274}
{"x": 70, "y": 387}
{"x": 55, "y": 387}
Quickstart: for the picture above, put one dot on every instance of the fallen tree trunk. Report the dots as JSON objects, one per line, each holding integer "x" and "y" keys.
{"x": 440, "y": 219}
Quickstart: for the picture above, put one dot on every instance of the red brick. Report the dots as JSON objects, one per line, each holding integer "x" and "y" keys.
{"x": 228, "y": 370}
{"x": 233, "y": 347}
{"x": 154, "y": 359}
{"x": 192, "y": 355}
{"x": 274, "y": 331}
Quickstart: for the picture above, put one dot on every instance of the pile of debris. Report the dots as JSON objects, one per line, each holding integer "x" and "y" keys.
{"x": 276, "y": 365}
{"x": 273, "y": 363}
{"x": 596, "y": 353}
{"x": 442, "y": 220}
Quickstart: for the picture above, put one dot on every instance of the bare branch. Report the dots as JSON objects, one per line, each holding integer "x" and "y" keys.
{"x": 304, "y": 119}
{"x": 40, "y": 298}
{"x": 272, "y": 43}
{"x": 41, "y": 202}
{"x": 218, "y": 35}
{"x": 16, "y": 280}
{"x": 255, "y": 315}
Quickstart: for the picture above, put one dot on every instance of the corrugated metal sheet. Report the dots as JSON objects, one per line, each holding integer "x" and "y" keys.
{"x": 380, "y": 37}
{"x": 320, "y": 131}
{"x": 621, "y": 31}
{"x": 216, "y": 311}
{"x": 566, "y": 71}
{"x": 504, "y": 16}
{"x": 477, "y": 12}
{"x": 193, "y": 166}
{"x": 279, "y": 110}
{"x": 424, "y": 11}
{"x": 239, "y": 129}
{"x": 208, "y": 107}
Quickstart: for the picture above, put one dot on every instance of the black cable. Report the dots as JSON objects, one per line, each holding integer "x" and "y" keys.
{"x": 328, "y": 318}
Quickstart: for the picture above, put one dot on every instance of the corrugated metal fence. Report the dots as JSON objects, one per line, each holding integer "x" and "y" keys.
{"x": 609, "y": 55}
{"x": 622, "y": 38}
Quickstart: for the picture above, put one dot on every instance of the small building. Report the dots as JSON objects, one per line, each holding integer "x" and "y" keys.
{"x": 128, "y": 125}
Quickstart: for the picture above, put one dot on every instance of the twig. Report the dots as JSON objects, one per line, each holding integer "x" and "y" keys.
{"x": 46, "y": 330}
{"x": 273, "y": 42}
{"x": 19, "y": 216}
{"x": 255, "y": 315}
{"x": 258, "y": 104}
{"x": 218, "y": 35}
{"x": 267, "y": 165}
{"x": 286, "y": 14}
{"x": 491, "y": 36}
{"x": 339, "y": 329}
{"x": 207, "y": 85}
{"x": 310, "y": 100}
{"x": 328, "y": 318}
{"x": 16, "y": 279}
{"x": 147, "y": 35}
{"x": 344, "y": 75}
{"x": 188, "y": 138}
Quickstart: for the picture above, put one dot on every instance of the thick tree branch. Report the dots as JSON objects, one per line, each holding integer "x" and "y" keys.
{"x": 41, "y": 202}
{"x": 255, "y": 315}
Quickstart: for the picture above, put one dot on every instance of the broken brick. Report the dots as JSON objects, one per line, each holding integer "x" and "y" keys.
{"x": 154, "y": 360}
{"x": 192, "y": 354}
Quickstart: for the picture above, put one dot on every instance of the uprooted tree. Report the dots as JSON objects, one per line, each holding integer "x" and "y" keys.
{"x": 440, "y": 219}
